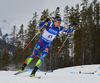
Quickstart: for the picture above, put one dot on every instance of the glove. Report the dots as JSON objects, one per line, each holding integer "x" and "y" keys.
{"x": 47, "y": 20}
{"x": 75, "y": 23}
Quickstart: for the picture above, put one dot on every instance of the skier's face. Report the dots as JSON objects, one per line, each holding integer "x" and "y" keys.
{"x": 57, "y": 23}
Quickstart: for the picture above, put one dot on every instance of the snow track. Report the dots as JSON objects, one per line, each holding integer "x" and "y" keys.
{"x": 58, "y": 76}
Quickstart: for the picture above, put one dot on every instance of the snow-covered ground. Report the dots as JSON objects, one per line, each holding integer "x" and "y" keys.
{"x": 62, "y": 75}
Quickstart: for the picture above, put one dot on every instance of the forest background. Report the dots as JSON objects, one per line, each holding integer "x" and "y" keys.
{"x": 81, "y": 48}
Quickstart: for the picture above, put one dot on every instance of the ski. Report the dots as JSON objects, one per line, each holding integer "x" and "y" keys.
{"x": 82, "y": 72}
{"x": 75, "y": 73}
{"x": 34, "y": 77}
{"x": 19, "y": 72}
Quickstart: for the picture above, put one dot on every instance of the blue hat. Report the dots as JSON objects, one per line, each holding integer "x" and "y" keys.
{"x": 57, "y": 18}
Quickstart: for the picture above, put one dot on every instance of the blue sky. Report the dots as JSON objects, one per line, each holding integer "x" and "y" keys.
{"x": 18, "y": 12}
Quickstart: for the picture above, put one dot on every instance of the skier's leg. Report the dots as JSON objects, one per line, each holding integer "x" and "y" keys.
{"x": 39, "y": 62}
{"x": 30, "y": 58}
{"x": 43, "y": 54}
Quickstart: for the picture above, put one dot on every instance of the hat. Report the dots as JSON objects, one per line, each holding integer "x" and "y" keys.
{"x": 57, "y": 18}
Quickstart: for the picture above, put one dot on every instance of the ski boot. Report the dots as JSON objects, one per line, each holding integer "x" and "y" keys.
{"x": 22, "y": 68}
{"x": 32, "y": 75}
{"x": 33, "y": 72}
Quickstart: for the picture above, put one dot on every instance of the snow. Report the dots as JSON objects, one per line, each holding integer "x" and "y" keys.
{"x": 6, "y": 30}
{"x": 62, "y": 75}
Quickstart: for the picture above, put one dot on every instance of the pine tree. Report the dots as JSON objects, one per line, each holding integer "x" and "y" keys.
{"x": 55, "y": 45}
{"x": 66, "y": 16}
{"x": 19, "y": 45}
{"x": 45, "y": 15}
{"x": 0, "y": 60}
{"x": 14, "y": 35}
{"x": 57, "y": 13}
{"x": 84, "y": 29}
{"x": 5, "y": 56}
{"x": 91, "y": 14}
{"x": 73, "y": 16}
{"x": 96, "y": 26}
{"x": 65, "y": 49}
{"x": 32, "y": 30}
{"x": 29, "y": 34}
{"x": 20, "y": 36}
{"x": 86, "y": 34}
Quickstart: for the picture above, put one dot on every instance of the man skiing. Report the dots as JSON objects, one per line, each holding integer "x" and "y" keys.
{"x": 50, "y": 32}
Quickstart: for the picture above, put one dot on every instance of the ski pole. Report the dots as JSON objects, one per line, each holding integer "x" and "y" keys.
{"x": 33, "y": 38}
{"x": 29, "y": 43}
{"x": 36, "y": 34}
{"x": 63, "y": 43}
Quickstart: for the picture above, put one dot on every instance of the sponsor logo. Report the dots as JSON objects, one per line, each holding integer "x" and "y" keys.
{"x": 53, "y": 31}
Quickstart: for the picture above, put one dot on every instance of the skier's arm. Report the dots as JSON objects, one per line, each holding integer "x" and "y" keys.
{"x": 71, "y": 28}
{"x": 43, "y": 23}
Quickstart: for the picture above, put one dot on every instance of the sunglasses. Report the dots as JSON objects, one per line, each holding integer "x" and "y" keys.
{"x": 59, "y": 21}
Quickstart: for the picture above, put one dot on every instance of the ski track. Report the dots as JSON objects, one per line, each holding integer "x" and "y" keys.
{"x": 62, "y": 75}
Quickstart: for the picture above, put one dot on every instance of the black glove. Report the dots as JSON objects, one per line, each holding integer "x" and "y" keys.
{"x": 75, "y": 23}
{"x": 47, "y": 20}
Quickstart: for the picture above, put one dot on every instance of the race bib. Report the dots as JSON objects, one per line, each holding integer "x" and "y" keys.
{"x": 48, "y": 35}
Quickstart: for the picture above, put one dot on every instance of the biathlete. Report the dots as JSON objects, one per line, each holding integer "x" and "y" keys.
{"x": 50, "y": 32}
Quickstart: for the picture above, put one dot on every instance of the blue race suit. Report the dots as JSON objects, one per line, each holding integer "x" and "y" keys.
{"x": 45, "y": 41}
